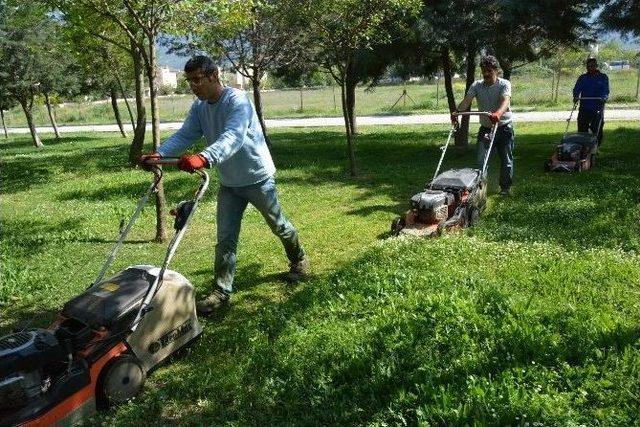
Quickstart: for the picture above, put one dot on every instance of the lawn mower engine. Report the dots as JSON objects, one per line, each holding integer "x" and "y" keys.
{"x": 576, "y": 152}
{"x": 90, "y": 357}
{"x": 432, "y": 206}
{"x": 28, "y": 362}
{"x": 452, "y": 200}
{"x": 38, "y": 370}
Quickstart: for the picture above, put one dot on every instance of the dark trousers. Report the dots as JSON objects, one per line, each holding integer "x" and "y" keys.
{"x": 503, "y": 144}
{"x": 588, "y": 121}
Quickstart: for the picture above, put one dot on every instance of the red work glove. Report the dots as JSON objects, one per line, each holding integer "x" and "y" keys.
{"x": 143, "y": 160}
{"x": 495, "y": 117}
{"x": 191, "y": 163}
{"x": 454, "y": 120}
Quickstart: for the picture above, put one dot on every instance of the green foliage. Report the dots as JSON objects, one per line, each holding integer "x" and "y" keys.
{"x": 621, "y": 15}
{"x": 614, "y": 50}
{"x": 531, "y": 317}
{"x": 25, "y": 30}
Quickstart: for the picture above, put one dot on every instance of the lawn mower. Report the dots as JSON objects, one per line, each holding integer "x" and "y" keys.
{"x": 576, "y": 151}
{"x": 99, "y": 349}
{"x": 452, "y": 200}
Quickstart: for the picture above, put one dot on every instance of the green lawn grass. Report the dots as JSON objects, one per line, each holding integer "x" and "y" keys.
{"x": 530, "y": 92}
{"x": 531, "y": 317}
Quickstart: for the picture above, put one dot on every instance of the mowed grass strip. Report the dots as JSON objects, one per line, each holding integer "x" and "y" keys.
{"x": 531, "y": 317}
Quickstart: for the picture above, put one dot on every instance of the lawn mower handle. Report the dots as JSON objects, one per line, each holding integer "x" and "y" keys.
{"x": 494, "y": 129}
{"x": 471, "y": 113}
{"x": 141, "y": 203}
{"x": 591, "y": 97}
{"x": 171, "y": 249}
{"x": 166, "y": 161}
{"x": 575, "y": 105}
{"x": 444, "y": 150}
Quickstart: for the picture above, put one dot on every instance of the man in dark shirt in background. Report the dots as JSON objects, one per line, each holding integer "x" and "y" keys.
{"x": 592, "y": 84}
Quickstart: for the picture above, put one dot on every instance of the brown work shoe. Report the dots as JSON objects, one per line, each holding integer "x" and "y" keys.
{"x": 217, "y": 300}
{"x": 298, "y": 270}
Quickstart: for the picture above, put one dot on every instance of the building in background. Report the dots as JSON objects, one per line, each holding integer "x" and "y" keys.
{"x": 167, "y": 77}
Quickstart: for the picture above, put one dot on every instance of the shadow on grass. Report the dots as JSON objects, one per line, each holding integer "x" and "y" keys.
{"x": 593, "y": 208}
{"x": 22, "y": 173}
{"x": 26, "y": 142}
{"x": 254, "y": 379}
{"x": 30, "y": 237}
{"x": 176, "y": 189}
{"x": 12, "y": 320}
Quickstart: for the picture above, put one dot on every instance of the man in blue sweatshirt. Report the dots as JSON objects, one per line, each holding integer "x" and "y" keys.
{"x": 592, "y": 84}
{"x": 235, "y": 145}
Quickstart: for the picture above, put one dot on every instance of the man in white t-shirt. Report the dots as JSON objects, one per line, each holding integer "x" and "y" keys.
{"x": 493, "y": 94}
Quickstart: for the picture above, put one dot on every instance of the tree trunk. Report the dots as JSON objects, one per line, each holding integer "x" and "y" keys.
{"x": 4, "y": 125}
{"x": 555, "y": 97}
{"x": 347, "y": 124}
{"x": 351, "y": 83}
{"x": 26, "y": 107}
{"x": 507, "y": 67}
{"x": 161, "y": 204}
{"x": 462, "y": 135}
{"x": 257, "y": 100}
{"x": 116, "y": 111}
{"x": 448, "y": 85}
{"x": 141, "y": 112}
{"x": 52, "y": 115}
{"x": 126, "y": 101}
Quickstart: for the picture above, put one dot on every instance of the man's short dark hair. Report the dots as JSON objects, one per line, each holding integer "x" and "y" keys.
{"x": 201, "y": 62}
{"x": 592, "y": 59}
{"x": 489, "y": 61}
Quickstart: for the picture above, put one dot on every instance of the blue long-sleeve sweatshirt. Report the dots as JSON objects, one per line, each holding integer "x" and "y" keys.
{"x": 234, "y": 139}
{"x": 591, "y": 85}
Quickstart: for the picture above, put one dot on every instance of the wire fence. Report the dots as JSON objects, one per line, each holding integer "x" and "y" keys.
{"x": 420, "y": 97}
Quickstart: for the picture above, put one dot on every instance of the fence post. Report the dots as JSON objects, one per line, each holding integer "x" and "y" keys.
{"x": 301, "y": 100}
{"x": 638, "y": 83}
{"x": 335, "y": 106}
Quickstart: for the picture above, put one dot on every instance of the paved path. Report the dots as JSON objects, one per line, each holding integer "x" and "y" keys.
{"x": 541, "y": 116}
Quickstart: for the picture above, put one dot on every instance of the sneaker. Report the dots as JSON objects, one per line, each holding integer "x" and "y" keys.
{"x": 505, "y": 192}
{"x": 298, "y": 270}
{"x": 218, "y": 299}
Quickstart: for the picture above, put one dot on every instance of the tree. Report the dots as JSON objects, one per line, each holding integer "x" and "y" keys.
{"x": 550, "y": 25}
{"x": 25, "y": 28}
{"x": 566, "y": 60}
{"x": 254, "y": 36}
{"x": 465, "y": 28}
{"x": 340, "y": 31}
{"x": 6, "y": 103}
{"x": 61, "y": 76}
{"x": 621, "y": 15}
{"x": 81, "y": 19}
{"x": 141, "y": 22}
{"x": 455, "y": 30}
{"x": 101, "y": 65}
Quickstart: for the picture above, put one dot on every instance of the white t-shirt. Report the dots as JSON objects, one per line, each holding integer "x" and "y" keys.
{"x": 489, "y": 98}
